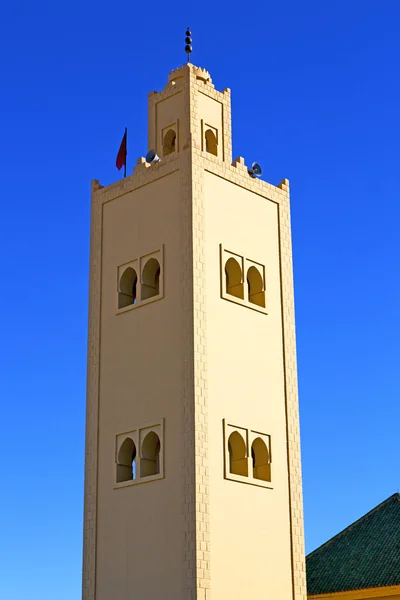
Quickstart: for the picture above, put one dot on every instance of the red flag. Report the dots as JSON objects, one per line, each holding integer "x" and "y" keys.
{"x": 122, "y": 152}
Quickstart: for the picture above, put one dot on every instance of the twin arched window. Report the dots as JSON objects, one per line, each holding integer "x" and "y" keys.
{"x": 234, "y": 285}
{"x": 149, "y": 462}
{"x": 238, "y": 458}
{"x": 131, "y": 291}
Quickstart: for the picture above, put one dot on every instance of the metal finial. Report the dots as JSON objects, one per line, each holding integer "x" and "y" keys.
{"x": 188, "y": 42}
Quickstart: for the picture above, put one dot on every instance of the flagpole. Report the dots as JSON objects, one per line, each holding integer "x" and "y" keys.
{"x": 126, "y": 149}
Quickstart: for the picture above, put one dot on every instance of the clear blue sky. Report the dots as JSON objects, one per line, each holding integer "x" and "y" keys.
{"x": 316, "y": 97}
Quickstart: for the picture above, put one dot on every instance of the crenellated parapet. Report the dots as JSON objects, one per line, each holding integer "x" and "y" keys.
{"x": 237, "y": 173}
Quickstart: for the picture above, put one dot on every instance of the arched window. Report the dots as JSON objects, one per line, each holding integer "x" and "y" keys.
{"x": 261, "y": 462}
{"x": 255, "y": 286}
{"x": 126, "y": 465}
{"x": 169, "y": 142}
{"x": 211, "y": 142}
{"x": 127, "y": 288}
{"x": 237, "y": 455}
{"x": 233, "y": 278}
{"x": 150, "y": 455}
{"x": 151, "y": 279}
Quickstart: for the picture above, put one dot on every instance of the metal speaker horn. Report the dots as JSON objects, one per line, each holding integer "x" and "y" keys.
{"x": 152, "y": 157}
{"x": 255, "y": 171}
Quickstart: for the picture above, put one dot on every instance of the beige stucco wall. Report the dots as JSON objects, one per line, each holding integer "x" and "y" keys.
{"x": 211, "y": 112}
{"x": 167, "y": 112}
{"x": 139, "y": 528}
{"x": 250, "y": 532}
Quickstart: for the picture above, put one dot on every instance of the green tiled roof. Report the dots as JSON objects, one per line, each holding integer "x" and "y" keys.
{"x": 364, "y": 555}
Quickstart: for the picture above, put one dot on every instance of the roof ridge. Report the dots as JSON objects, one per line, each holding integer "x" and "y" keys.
{"x": 394, "y": 496}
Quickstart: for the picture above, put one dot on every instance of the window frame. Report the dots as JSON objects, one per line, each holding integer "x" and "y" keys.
{"x": 246, "y": 263}
{"x": 163, "y": 132}
{"x": 138, "y": 263}
{"x": 249, "y": 435}
{"x": 138, "y": 435}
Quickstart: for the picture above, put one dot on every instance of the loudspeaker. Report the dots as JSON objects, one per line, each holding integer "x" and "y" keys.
{"x": 255, "y": 171}
{"x": 152, "y": 156}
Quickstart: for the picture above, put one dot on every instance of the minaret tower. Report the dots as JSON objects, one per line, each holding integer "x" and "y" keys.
{"x": 193, "y": 475}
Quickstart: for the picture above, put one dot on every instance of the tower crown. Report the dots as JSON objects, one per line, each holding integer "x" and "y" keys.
{"x": 189, "y": 111}
{"x": 201, "y": 74}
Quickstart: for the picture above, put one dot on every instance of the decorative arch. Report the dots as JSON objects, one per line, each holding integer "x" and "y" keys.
{"x": 237, "y": 454}
{"x": 261, "y": 460}
{"x": 127, "y": 288}
{"x": 151, "y": 279}
{"x": 234, "y": 278}
{"x": 126, "y": 461}
{"x": 169, "y": 142}
{"x": 211, "y": 142}
{"x": 150, "y": 455}
{"x": 255, "y": 287}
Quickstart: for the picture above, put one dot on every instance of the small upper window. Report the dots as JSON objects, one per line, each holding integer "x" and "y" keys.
{"x": 151, "y": 279}
{"x": 127, "y": 288}
{"x": 255, "y": 287}
{"x": 211, "y": 142}
{"x": 169, "y": 142}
